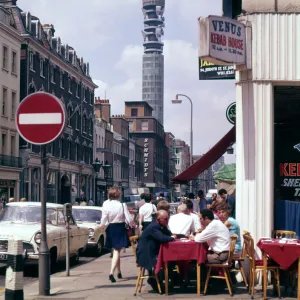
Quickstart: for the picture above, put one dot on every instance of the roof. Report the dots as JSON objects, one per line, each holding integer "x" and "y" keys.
{"x": 207, "y": 159}
{"x": 37, "y": 204}
{"x": 227, "y": 172}
{"x": 88, "y": 207}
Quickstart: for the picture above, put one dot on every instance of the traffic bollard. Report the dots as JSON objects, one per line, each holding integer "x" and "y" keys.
{"x": 14, "y": 283}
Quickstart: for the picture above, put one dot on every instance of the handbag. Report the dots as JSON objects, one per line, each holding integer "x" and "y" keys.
{"x": 130, "y": 231}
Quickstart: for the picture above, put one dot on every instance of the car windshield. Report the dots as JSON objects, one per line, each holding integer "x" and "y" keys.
{"x": 87, "y": 215}
{"x": 26, "y": 214}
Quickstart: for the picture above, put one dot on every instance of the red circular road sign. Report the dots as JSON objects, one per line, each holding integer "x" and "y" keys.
{"x": 41, "y": 118}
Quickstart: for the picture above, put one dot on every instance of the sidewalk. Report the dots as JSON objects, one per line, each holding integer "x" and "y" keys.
{"x": 90, "y": 281}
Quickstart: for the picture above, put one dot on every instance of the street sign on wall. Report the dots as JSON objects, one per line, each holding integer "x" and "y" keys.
{"x": 222, "y": 40}
{"x": 231, "y": 113}
{"x": 40, "y": 118}
{"x": 210, "y": 71}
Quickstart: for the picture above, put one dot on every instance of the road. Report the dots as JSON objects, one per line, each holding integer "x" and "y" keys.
{"x": 31, "y": 273}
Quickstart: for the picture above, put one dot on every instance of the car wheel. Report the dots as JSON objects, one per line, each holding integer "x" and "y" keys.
{"x": 100, "y": 246}
{"x": 53, "y": 259}
{"x": 75, "y": 258}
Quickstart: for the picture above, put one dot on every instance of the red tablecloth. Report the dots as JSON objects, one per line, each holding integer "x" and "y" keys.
{"x": 283, "y": 254}
{"x": 179, "y": 251}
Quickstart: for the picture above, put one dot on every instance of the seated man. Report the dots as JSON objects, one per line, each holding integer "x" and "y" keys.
{"x": 149, "y": 242}
{"x": 195, "y": 216}
{"x": 231, "y": 224}
{"x": 217, "y": 236}
{"x": 182, "y": 223}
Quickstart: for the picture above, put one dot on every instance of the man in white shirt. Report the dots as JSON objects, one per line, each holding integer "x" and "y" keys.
{"x": 216, "y": 234}
{"x": 195, "y": 216}
{"x": 182, "y": 223}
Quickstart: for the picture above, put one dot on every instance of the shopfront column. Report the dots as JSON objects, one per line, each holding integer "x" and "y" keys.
{"x": 254, "y": 155}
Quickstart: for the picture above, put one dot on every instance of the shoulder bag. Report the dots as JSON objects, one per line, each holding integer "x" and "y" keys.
{"x": 130, "y": 231}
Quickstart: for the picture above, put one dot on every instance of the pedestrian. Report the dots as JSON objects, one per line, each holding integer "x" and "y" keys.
{"x": 91, "y": 203}
{"x": 202, "y": 200}
{"x": 116, "y": 215}
{"x": 146, "y": 213}
{"x": 23, "y": 200}
{"x": 229, "y": 200}
{"x": 196, "y": 206}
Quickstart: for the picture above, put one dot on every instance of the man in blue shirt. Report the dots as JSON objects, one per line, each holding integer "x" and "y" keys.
{"x": 202, "y": 200}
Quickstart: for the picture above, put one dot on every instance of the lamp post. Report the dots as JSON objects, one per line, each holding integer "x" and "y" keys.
{"x": 178, "y": 101}
{"x": 106, "y": 169}
{"x": 96, "y": 167}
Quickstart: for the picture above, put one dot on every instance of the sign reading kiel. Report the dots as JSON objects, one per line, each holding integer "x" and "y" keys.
{"x": 222, "y": 40}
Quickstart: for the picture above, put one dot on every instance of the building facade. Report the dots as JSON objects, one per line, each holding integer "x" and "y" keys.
{"x": 10, "y": 162}
{"x": 149, "y": 133}
{"x": 153, "y": 59}
{"x": 133, "y": 183}
{"x": 170, "y": 143}
{"x": 51, "y": 66}
{"x": 182, "y": 162}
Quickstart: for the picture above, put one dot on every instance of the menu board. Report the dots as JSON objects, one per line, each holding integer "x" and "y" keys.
{"x": 209, "y": 71}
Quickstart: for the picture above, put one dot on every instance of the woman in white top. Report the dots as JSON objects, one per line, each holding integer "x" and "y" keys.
{"x": 116, "y": 215}
{"x": 146, "y": 212}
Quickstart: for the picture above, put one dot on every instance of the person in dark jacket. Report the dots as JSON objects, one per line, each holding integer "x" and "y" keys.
{"x": 229, "y": 200}
{"x": 149, "y": 242}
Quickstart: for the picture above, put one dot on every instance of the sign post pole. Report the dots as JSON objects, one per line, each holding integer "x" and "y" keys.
{"x": 44, "y": 258}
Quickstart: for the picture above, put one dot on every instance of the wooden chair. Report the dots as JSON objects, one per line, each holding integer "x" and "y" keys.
{"x": 133, "y": 243}
{"x": 256, "y": 266}
{"x": 140, "y": 279}
{"x": 225, "y": 267}
{"x": 240, "y": 258}
{"x": 278, "y": 234}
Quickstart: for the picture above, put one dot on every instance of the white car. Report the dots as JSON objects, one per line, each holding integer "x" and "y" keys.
{"x": 23, "y": 220}
{"x": 90, "y": 217}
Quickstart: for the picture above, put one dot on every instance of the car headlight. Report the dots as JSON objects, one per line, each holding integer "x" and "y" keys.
{"x": 91, "y": 232}
{"x": 38, "y": 237}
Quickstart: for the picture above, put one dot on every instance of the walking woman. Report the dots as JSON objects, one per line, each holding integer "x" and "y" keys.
{"x": 115, "y": 214}
{"x": 146, "y": 213}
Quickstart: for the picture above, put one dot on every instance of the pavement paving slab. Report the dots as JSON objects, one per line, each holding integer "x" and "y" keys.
{"x": 89, "y": 281}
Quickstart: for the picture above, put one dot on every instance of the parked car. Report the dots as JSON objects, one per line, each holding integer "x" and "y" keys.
{"x": 90, "y": 217}
{"x": 23, "y": 219}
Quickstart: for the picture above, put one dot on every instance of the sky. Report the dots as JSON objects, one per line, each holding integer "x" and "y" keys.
{"x": 107, "y": 34}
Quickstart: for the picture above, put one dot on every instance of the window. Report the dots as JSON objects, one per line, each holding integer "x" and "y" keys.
{"x": 69, "y": 150}
{"x": 60, "y": 148}
{"x": 84, "y": 124}
{"x": 130, "y": 126}
{"x": 77, "y": 120}
{"x": 83, "y": 92}
{"x": 52, "y": 74}
{"x": 13, "y": 104}
{"x": 76, "y": 152}
{"x": 5, "y": 57}
{"x": 145, "y": 125}
{"x": 12, "y": 145}
{"x": 61, "y": 79}
{"x": 69, "y": 85}
{"x": 134, "y": 112}
{"x": 14, "y": 62}
{"x": 3, "y": 143}
{"x": 77, "y": 89}
{"x": 42, "y": 67}
{"x": 4, "y": 101}
{"x": 91, "y": 127}
{"x": 31, "y": 61}
{"x": 69, "y": 116}
{"x": 92, "y": 99}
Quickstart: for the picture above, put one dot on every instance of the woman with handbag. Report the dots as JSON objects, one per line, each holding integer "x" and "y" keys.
{"x": 117, "y": 216}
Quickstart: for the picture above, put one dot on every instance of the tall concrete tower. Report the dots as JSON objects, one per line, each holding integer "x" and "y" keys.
{"x": 153, "y": 59}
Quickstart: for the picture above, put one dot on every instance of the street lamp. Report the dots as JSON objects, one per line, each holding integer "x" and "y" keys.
{"x": 178, "y": 101}
{"x": 106, "y": 169}
{"x": 96, "y": 166}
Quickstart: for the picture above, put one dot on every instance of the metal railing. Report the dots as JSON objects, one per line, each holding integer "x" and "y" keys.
{"x": 10, "y": 161}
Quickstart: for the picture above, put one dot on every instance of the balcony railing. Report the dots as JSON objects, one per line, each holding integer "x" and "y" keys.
{"x": 10, "y": 161}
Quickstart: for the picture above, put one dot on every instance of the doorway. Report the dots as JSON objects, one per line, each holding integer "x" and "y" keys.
{"x": 65, "y": 190}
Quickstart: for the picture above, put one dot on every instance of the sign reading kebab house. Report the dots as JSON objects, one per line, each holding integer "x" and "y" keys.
{"x": 222, "y": 40}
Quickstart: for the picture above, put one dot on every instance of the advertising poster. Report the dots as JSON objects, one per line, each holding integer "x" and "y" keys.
{"x": 209, "y": 71}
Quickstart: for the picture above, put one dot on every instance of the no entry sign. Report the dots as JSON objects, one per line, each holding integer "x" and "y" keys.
{"x": 41, "y": 118}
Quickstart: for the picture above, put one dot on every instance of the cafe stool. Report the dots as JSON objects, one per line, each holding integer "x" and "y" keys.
{"x": 140, "y": 279}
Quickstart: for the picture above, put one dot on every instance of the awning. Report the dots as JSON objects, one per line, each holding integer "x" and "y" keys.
{"x": 207, "y": 159}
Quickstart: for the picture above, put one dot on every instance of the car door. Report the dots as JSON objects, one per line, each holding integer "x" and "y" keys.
{"x": 79, "y": 236}
{"x": 61, "y": 223}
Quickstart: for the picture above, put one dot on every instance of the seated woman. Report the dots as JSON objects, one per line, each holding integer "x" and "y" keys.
{"x": 224, "y": 212}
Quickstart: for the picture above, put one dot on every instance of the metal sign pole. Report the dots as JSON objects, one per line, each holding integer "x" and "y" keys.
{"x": 68, "y": 249}
{"x": 44, "y": 255}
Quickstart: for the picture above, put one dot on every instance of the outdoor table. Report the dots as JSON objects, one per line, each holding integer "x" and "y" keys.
{"x": 283, "y": 252}
{"x": 181, "y": 250}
